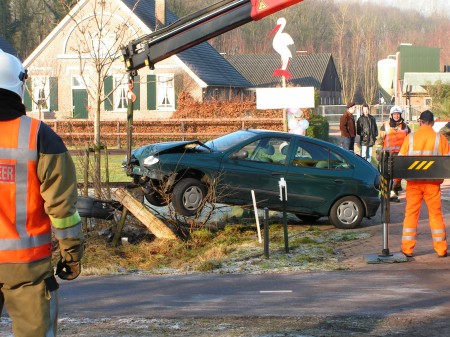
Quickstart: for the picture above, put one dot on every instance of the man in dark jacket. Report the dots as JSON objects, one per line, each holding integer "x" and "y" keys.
{"x": 39, "y": 193}
{"x": 367, "y": 129}
{"x": 347, "y": 127}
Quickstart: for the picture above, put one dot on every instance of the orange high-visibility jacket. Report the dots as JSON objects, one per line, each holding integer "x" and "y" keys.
{"x": 25, "y": 230}
{"x": 394, "y": 138}
{"x": 425, "y": 142}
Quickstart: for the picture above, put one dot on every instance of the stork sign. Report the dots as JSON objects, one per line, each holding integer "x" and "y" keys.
{"x": 281, "y": 42}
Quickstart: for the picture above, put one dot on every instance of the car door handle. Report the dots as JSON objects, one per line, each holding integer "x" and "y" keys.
{"x": 277, "y": 173}
{"x": 339, "y": 181}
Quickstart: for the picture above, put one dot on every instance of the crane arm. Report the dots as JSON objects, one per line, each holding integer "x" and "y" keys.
{"x": 196, "y": 28}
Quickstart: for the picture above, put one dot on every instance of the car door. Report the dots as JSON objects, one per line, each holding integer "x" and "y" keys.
{"x": 316, "y": 177}
{"x": 259, "y": 170}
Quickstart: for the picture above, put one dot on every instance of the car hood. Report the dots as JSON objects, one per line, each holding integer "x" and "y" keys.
{"x": 159, "y": 148}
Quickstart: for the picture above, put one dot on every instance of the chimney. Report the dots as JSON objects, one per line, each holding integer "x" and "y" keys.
{"x": 160, "y": 13}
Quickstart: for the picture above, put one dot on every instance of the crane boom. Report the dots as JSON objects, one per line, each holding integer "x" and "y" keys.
{"x": 196, "y": 28}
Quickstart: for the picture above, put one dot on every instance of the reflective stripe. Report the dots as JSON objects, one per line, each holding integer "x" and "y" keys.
{"x": 439, "y": 238}
{"x": 22, "y": 176}
{"x": 438, "y": 231}
{"x": 409, "y": 230}
{"x": 409, "y": 238}
{"x": 25, "y": 243}
{"x": 68, "y": 233}
{"x": 434, "y": 152}
{"x": 67, "y": 221}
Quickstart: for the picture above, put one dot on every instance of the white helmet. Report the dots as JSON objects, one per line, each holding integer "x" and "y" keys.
{"x": 12, "y": 74}
{"x": 396, "y": 109}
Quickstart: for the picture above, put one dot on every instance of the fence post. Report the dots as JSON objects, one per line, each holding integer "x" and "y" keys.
{"x": 118, "y": 134}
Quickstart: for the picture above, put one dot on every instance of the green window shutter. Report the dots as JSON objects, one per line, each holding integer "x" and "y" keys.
{"x": 107, "y": 89}
{"x": 53, "y": 94}
{"x": 137, "y": 92}
{"x": 27, "y": 96}
{"x": 151, "y": 92}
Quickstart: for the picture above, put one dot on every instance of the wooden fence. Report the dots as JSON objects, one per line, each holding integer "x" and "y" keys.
{"x": 113, "y": 133}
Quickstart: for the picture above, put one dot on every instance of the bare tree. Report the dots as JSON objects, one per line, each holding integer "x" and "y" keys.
{"x": 370, "y": 55}
{"x": 96, "y": 40}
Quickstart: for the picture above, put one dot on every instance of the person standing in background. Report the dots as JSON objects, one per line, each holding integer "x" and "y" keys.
{"x": 367, "y": 130}
{"x": 392, "y": 134}
{"x": 348, "y": 127}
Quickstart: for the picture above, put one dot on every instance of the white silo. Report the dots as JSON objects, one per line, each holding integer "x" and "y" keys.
{"x": 387, "y": 69}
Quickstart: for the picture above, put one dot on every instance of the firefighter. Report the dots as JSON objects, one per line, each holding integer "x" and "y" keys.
{"x": 38, "y": 191}
{"x": 392, "y": 134}
{"x": 424, "y": 142}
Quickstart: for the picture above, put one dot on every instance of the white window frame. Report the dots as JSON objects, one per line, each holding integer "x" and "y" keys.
{"x": 165, "y": 92}
{"x": 41, "y": 85}
{"x": 120, "y": 98}
{"x": 79, "y": 84}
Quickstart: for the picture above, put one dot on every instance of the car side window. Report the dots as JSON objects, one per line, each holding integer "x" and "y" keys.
{"x": 270, "y": 150}
{"x": 315, "y": 156}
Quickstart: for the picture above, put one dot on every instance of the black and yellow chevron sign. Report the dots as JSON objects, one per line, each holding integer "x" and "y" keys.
{"x": 421, "y": 165}
{"x": 424, "y": 167}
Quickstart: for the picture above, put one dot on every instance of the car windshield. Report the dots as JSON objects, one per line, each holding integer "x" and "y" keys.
{"x": 228, "y": 141}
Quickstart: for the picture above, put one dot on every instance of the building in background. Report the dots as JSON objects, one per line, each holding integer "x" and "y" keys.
{"x": 403, "y": 78}
{"x": 63, "y": 70}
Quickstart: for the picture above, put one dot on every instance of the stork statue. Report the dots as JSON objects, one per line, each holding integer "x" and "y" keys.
{"x": 280, "y": 43}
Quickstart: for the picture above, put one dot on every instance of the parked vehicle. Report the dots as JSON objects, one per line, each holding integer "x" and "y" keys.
{"x": 322, "y": 178}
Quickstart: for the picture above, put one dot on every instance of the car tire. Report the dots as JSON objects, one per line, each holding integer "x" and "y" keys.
{"x": 188, "y": 196}
{"x": 308, "y": 218}
{"x": 155, "y": 199}
{"x": 347, "y": 213}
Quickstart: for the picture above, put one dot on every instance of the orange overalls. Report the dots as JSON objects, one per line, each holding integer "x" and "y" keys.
{"x": 424, "y": 142}
{"x": 393, "y": 142}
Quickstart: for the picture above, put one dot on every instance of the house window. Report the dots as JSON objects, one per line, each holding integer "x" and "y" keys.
{"x": 103, "y": 46}
{"x": 78, "y": 83}
{"x": 41, "y": 93}
{"x": 428, "y": 101}
{"x": 165, "y": 92}
{"x": 120, "y": 93}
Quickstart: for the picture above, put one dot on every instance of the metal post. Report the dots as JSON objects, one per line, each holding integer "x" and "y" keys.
{"x": 283, "y": 197}
{"x": 266, "y": 232}
{"x": 286, "y": 237}
{"x": 130, "y": 121}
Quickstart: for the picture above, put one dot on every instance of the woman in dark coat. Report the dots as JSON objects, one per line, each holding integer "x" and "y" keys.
{"x": 367, "y": 129}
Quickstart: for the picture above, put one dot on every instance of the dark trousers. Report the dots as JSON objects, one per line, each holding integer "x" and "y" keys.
{"x": 348, "y": 143}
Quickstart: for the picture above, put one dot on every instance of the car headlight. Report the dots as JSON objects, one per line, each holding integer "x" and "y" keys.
{"x": 149, "y": 161}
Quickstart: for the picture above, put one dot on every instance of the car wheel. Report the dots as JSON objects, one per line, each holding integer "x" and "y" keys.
{"x": 347, "y": 213}
{"x": 188, "y": 196}
{"x": 308, "y": 218}
{"x": 155, "y": 199}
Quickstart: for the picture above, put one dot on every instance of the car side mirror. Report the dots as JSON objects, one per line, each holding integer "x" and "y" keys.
{"x": 241, "y": 154}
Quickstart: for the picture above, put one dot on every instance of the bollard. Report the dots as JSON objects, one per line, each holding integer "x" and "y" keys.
{"x": 283, "y": 197}
{"x": 266, "y": 232}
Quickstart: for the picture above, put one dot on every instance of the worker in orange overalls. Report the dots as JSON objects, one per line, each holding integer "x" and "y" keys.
{"x": 392, "y": 134}
{"x": 38, "y": 191}
{"x": 424, "y": 142}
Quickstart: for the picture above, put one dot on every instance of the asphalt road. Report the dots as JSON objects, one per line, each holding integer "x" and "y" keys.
{"x": 382, "y": 292}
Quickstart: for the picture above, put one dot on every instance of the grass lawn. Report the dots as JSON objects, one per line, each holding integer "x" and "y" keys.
{"x": 116, "y": 171}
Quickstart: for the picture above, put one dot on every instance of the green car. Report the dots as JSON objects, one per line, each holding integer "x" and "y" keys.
{"x": 322, "y": 179}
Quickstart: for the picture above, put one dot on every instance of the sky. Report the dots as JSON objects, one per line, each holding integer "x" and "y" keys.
{"x": 426, "y": 7}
